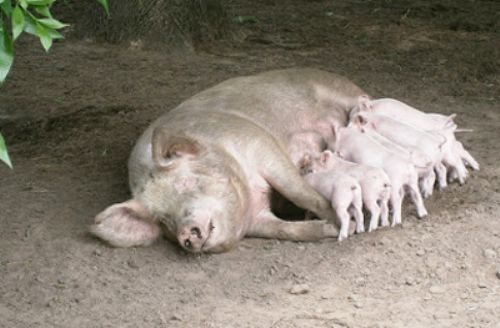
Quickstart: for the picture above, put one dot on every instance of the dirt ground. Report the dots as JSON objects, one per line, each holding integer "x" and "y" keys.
{"x": 70, "y": 119}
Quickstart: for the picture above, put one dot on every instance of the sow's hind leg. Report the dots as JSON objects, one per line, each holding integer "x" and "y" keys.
{"x": 125, "y": 225}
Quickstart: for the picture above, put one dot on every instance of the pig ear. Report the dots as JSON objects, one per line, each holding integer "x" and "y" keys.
{"x": 364, "y": 103}
{"x": 126, "y": 224}
{"x": 304, "y": 161}
{"x": 359, "y": 120}
{"x": 167, "y": 148}
{"x": 325, "y": 157}
{"x": 450, "y": 123}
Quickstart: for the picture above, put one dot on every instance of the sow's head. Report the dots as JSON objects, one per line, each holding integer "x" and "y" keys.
{"x": 193, "y": 192}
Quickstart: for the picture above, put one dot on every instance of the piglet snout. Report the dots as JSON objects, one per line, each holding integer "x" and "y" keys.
{"x": 192, "y": 237}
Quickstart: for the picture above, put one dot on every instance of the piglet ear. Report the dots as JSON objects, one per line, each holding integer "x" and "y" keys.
{"x": 305, "y": 161}
{"x": 325, "y": 157}
{"x": 450, "y": 123}
{"x": 364, "y": 103}
{"x": 167, "y": 149}
{"x": 359, "y": 120}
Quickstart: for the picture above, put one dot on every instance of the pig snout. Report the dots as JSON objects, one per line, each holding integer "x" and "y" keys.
{"x": 193, "y": 237}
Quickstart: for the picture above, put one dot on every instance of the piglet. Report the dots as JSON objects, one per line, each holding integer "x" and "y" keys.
{"x": 374, "y": 182}
{"x": 344, "y": 194}
{"x": 358, "y": 147}
{"x": 410, "y": 137}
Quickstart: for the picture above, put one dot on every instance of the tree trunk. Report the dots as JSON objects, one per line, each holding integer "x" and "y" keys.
{"x": 177, "y": 23}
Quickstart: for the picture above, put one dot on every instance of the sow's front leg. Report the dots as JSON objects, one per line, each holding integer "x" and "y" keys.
{"x": 277, "y": 169}
{"x": 267, "y": 225}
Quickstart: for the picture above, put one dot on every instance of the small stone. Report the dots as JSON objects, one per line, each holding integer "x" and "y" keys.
{"x": 132, "y": 264}
{"x": 436, "y": 289}
{"x": 409, "y": 281}
{"x": 97, "y": 252}
{"x": 299, "y": 289}
{"x": 420, "y": 252}
{"x": 358, "y": 305}
{"x": 482, "y": 284}
{"x": 490, "y": 254}
{"x": 175, "y": 318}
{"x": 498, "y": 274}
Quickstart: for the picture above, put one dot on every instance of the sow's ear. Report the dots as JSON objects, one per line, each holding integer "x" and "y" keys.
{"x": 126, "y": 224}
{"x": 167, "y": 148}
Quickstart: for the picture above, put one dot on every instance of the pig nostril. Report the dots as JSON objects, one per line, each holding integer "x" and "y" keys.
{"x": 196, "y": 231}
{"x": 187, "y": 244}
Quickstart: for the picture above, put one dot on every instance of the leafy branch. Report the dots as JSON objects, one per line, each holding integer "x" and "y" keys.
{"x": 31, "y": 17}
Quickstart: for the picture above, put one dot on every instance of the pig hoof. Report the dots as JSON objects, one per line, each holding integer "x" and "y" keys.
{"x": 360, "y": 229}
{"x": 423, "y": 214}
{"x": 342, "y": 236}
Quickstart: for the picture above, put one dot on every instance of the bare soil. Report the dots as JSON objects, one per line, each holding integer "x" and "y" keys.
{"x": 71, "y": 118}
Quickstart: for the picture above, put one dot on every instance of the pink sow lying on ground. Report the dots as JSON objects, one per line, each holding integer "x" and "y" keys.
{"x": 201, "y": 174}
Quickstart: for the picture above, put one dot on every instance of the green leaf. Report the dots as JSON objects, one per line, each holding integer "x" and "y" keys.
{"x": 17, "y": 22}
{"x": 55, "y": 35}
{"x": 44, "y": 36}
{"x": 6, "y": 7}
{"x": 6, "y": 53}
{"x": 51, "y": 23}
{"x": 1, "y": 1}
{"x": 104, "y": 3}
{"x": 44, "y": 11}
{"x": 40, "y": 2}
{"x": 23, "y": 4}
{"x": 4, "y": 155}
{"x": 30, "y": 25}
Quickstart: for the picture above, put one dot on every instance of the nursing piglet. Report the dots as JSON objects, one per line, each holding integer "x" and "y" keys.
{"x": 358, "y": 147}
{"x": 374, "y": 182}
{"x": 409, "y": 137}
{"x": 344, "y": 194}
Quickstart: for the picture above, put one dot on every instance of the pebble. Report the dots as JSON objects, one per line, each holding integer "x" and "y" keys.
{"x": 420, "y": 252}
{"x": 498, "y": 274}
{"x": 132, "y": 264}
{"x": 299, "y": 289}
{"x": 175, "y": 318}
{"x": 409, "y": 281}
{"x": 97, "y": 252}
{"x": 490, "y": 254}
{"x": 482, "y": 284}
{"x": 436, "y": 289}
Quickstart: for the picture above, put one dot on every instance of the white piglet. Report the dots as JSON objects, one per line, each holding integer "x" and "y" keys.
{"x": 374, "y": 182}
{"x": 410, "y": 137}
{"x": 358, "y": 147}
{"x": 344, "y": 193}
{"x": 436, "y": 124}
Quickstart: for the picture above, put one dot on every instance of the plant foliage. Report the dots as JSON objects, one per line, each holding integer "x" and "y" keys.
{"x": 31, "y": 17}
